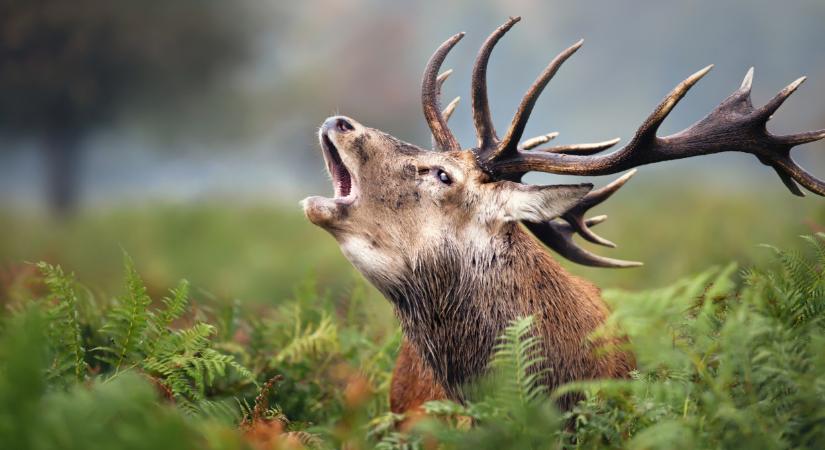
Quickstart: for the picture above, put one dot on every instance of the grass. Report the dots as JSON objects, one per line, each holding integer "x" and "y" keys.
{"x": 257, "y": 253}
{"x": 252, "y": 253}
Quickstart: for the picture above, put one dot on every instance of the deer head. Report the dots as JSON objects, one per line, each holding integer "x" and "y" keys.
{"x": 394, "y": 199}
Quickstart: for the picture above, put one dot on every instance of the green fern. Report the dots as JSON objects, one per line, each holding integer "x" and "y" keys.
{"x": 185, "y": 363}
{"x": 720, "y": 366}
{"x": 516, "y": 363}
{"x": 308, "y": 341}
{"x": 128, "y": 321}
{"x": 509, "y": 408}
{"x": 68, "y": 356}
{"x": 174, "y": 308}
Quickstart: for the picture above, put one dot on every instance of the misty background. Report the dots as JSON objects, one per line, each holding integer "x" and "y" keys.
{"x": 184, "y": 131}
{"x": 241, "y": 124}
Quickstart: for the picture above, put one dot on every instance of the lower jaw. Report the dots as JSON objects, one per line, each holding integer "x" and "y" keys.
{"x": 321, "y": 211}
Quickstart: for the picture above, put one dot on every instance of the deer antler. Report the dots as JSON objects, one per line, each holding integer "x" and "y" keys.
{"x": 430, "y": 93}
{"x": 534, "y": 142}
{"x": 448, "y": 110}
{"x": 734, "y": 125}
{"x": 558, "y": 234}
{"x": 575, "y": 216}
{"x": 478, "y": 91}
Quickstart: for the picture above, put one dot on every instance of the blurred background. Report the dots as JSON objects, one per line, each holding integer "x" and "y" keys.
{"x": 183, "y": 131}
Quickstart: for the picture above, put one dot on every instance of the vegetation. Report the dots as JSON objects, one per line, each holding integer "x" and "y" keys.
{"x": 257, "y": 253}
{"x": 726, "y": 359}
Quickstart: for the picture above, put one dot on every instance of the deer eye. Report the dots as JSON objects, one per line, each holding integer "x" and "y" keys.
{"x": 443, "y": 177}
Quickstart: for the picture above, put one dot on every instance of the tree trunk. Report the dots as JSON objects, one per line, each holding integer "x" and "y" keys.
{"x": 62, "y": 152}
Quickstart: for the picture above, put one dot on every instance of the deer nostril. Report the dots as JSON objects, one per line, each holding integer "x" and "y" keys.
{"x": 343, "y": 125}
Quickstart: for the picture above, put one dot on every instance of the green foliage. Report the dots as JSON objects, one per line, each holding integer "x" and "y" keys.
{"x": 720, "y": 365}
{"x": 253, "y": 253}
{"x": 309, "y": 341}
{"x": 514, "y": 364}
{"x": 123, "y": 413}
{"x": 127, "y": 321}
{"x": 134, "y": 338}
{"x": 64, "y": 334}
{"x": 319, "y": 346}
{"x": 182, "y": 361}
{"x": 725, "y": 359}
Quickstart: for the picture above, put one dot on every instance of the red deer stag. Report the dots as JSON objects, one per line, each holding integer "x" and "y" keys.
{"x": 437, "y": 232}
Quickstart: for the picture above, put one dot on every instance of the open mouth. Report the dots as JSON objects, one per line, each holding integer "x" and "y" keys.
{"x": 341, "y": 177}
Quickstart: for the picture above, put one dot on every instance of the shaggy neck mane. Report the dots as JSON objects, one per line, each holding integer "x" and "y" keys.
{"x": 453, "y": 302}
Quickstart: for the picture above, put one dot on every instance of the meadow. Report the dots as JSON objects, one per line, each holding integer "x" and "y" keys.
{"x": 214, "y": 326}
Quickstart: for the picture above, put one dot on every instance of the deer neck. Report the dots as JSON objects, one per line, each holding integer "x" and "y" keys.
{"x": 453, "y": 301}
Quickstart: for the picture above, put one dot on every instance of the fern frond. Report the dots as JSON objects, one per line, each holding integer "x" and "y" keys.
{"x": 310, "y": 342}
{"x": 184, "y": 361}
{"x": 517, "y": 358}
{"x": 64, "y": 325}
{"x": 174, "y": 307}
{"x": 128, "y": 320}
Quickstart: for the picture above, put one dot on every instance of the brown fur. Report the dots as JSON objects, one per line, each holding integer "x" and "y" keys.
{"x": 457, "y": 265}
{"x": 452, "y": 312}
{"x": 413, "y": 383}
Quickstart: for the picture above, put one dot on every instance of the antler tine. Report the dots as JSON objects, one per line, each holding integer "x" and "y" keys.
{"x": 450, "y": 108}
{"x": 802, "y": 138}
{"x": 482, "y": 119}
{"x": 439, "y": 82}
{"x": 558, "y": 234}
{"x": 777, "y": 101}
{"x": 447, "y": 112}
{"x": 786, "y": 180}
{"x": 747, "y": 82}
{"x": 430, "y": 88}
{"x": 559, "y": 237}
{"x": 575, "y": 216}
{"x": 777, "y": 149}
{"x": 647, "y": 131}
{"x": 789, "y": 171}
{"x": 581, "y": 149}
{"x": 509, "y": 144}
{"x": 538, "y": 140}
{"x": 745, "y": 87}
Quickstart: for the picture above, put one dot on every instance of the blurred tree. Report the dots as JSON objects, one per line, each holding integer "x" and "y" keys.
{"x": 67, "y": 68}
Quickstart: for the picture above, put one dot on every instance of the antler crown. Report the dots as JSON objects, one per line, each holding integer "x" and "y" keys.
{"x": 734, "y": 125}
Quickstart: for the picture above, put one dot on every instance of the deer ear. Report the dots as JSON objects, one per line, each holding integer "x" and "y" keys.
{"x": 537, "y": 203}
